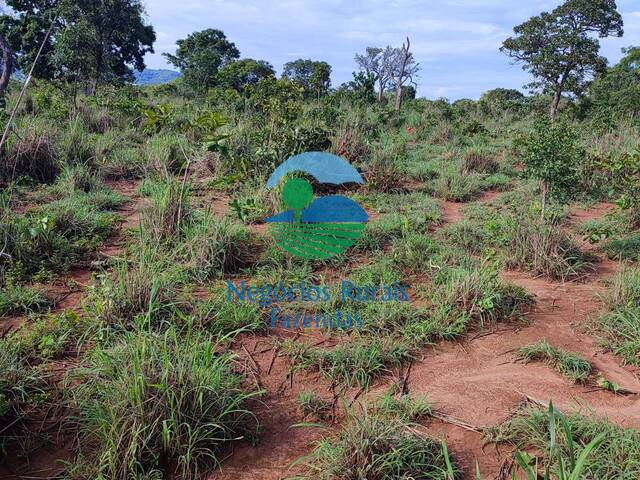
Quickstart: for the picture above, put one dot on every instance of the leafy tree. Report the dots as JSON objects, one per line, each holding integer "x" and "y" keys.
{"x": 93, "y": 42}
{"x": 499, "y": 100}
{"x": 558, "y": 48}
{"x": 616, "y": 93}
{"x": 361, "y": 88}
{"x": 241, "y": 73}
{"x": 25, "y": 31}
{"x": 201, "y": 55}
{"x": 313, "y": 76}
{"x": 551, "y": 154}
{"x": 372, "y": 63}
{"x": 99, "y": 40}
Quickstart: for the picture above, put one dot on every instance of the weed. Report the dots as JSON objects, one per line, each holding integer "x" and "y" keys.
{"x": 314, "y": 406}
{"x": 378, "y": 447}
{"x": 569, "y": 364}
{"x": 20, "y": 300}
{"x": 585, "y": 446}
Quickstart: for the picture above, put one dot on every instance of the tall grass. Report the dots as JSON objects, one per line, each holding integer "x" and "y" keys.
{"x": 22, "y": 388}
{"x": 155, "y": 405}
{"x": 620, "y": 326}
{"x": 586, "y": 446}
{"x": 216, "y": 247}
{"x": 376, "y": 446}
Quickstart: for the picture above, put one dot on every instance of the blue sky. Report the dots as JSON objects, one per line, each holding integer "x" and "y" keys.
{"x": 455, "y": 41}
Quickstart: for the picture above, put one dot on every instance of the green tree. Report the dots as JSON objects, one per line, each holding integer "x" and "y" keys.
{"x": 616, "y": 92}
{"x": 361, "y": 88}
{"x": 25, "y": 31}
{"x": 100, "y": 40}
{"x": 241, "y": 73}
{"x": 313, "y": 76}
{"x": 201, "y": 55}
{"x": 551, "y": 154}
{"x": 559, "y": 48}
{"x": 93, "y": 41}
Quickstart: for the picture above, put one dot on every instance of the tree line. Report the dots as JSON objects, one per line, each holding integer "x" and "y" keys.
{"x": 102, "y": 42}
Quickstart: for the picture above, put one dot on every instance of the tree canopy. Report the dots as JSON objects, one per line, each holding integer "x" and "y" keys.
{"x": 201, "y": 55}
{"x": 244, "y": 72}
{"x": 313, "y": 76}
{"x": 559, "y": 48}
{"x": 616, "y": 92}
{"x": 93, "y": 42}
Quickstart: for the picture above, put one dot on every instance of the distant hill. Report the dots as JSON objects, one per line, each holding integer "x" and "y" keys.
{"x": 153, "y": 77}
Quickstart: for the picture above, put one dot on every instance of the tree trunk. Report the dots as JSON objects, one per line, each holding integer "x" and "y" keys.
{"x": 554, "y": 105}
{"x": 6, "y": 62}
{"x": 398, "y": 97}
{"x": 380, "y": 91}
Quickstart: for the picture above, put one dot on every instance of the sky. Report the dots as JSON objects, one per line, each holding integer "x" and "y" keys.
{"x": 456, "y": 42}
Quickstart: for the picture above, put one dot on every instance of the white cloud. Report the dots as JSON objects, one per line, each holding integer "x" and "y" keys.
{"x": 455, "y": 41}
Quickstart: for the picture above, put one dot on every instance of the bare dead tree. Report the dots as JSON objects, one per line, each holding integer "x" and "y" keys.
{"x": 400, "y": 67}
{"x": 6, "y": 68}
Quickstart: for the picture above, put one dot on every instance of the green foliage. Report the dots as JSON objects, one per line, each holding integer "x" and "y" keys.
{"x": 201, "y": 55}
{"x": 615, "y": 94}
{"x": 83, "y": 47}
{"x": 571, "y": 447}
{"x": 620, "y": 327}
{"x": 19, "y": 300}
{"x": 51, "y": 336}
{"x": 569, "y": 364}
{"x": 241, "y": 73}
{"x": 313, "y": 76}
{"x": 376, "y": 446}
{"x": 557, "y": 47}
{"x": 551, "y": 155}
{"x": 152, "y": 398}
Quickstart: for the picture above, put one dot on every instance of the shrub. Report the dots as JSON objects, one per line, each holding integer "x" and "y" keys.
{"x": 151, "y": 403}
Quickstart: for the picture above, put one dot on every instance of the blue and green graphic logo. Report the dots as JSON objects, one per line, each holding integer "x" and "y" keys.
{"x": 320, "y": 228}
